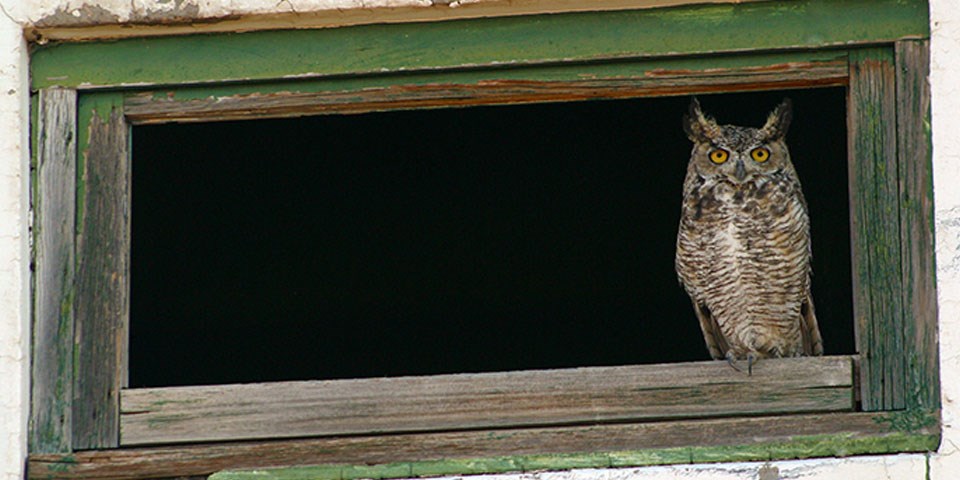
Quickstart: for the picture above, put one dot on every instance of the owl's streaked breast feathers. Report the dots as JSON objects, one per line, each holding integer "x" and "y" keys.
{"x": 743, "y": 247}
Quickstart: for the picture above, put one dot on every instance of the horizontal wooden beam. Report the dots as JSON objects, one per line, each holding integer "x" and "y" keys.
{"x": 66, "y": 27}
{"x": 403, "y": 455}
{"x": 480, "y": 43}
{"x": 485, "y": 400}
{"x": 654, "y": 79}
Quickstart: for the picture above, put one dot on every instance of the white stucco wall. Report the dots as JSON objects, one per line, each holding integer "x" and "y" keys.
{"x": 14, "y": 291}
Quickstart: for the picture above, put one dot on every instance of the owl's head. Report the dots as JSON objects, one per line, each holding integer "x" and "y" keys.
{"x": 738, "y": 153}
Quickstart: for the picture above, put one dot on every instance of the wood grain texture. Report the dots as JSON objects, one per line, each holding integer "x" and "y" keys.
{"x": 102, "y": 282}
{"x": 54, "y": 226}
{"x": 471, "y": 44}
{"x": 875, "y": 229}
{"x": 149, "y": 108}
{"x": 469, "y": 401}
{"x": 916, "y": 223}
{"x": 757, "y": 438}
{"x": 324, "y": 17}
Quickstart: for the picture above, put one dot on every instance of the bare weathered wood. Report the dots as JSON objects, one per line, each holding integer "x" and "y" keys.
{"x": 916, "y": 223}
{"x": 145, "y": 109}
{"x": 875, "y": 229}
{"x": 102, "y": 282}
{"x": 467, "y": 401}
{"x": 54, "y": 206}
{"x": 340, "y": 17}
{"x": 830, "y": 434}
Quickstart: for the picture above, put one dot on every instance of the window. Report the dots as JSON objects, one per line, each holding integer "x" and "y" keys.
{"x": 877, "y": 393}
{"x": 505, "y": 238}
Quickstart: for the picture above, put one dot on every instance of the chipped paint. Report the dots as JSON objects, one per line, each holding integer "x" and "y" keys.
{"x": 100, "y": 19}
{"x": 164, "y": 12}
{"x": 78, "y": 17}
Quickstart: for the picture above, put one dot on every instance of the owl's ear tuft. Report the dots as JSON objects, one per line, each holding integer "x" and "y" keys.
{"x": 698, "y": 126}
{"x": 779, "y": 121}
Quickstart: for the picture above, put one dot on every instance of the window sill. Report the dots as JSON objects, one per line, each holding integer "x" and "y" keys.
{"x": 515, "y": 450}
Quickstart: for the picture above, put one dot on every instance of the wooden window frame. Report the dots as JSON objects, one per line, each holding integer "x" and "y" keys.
{"x": 86, "y": 424}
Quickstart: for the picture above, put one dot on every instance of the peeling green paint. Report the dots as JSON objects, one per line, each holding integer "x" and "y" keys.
{"x": 565, "y": 462}
{"x": 432, "y": 468}
{"x": 605, "y": 71}
{"x": 908, "y": 420}
{"x": 660, "y": 456}
{"x": 469, "y": 44}
{"x": 99, "y": 105}
{"x": 63, "y": 464}
{"x": 388, "y": 470}
{"x": 797, "y": 448}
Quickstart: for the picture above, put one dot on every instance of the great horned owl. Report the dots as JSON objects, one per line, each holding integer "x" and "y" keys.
{"x": 743, "y": 249}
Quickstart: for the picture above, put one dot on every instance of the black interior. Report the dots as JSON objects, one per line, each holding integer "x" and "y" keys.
{"x": 440, "y": 241}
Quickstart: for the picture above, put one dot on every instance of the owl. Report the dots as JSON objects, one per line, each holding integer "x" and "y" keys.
{"x": 743, "y": 247}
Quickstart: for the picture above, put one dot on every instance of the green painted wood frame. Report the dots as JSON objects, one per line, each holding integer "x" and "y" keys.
{"x": 89, "y": 94}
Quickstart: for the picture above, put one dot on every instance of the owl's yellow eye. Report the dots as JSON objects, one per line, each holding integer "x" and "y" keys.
{"x": 719, "y": 156}
{"x": 760, "y": 154}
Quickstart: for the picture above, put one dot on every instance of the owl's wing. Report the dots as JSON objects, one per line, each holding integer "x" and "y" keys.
{"x": 809, "y": 330}
{"x": 716, "y": 342}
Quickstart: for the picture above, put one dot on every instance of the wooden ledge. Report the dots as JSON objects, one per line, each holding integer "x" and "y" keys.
{"x": 525, "y": 449}
{"x": 482, "y": 401}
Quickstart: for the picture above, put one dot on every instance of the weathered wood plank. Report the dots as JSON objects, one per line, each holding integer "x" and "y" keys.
{"x": 321, "y": 16}
{"x": 54, "y": 207}
{"x": 875, "y": 229}
{"x": 102, "y": 281}
{"x": 149, "y": 108}
{"x": 498, "y": 42}
{"x": 795, "y": 436}
{"x": 468, "y": 401}
{"x": 916, "y": 223}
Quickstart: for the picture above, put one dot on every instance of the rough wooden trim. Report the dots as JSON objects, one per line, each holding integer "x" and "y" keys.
{"x": 150, "y": 108}
{"x": 875, "y": 229}
{"x": 102, "y": 308}
{"x": 916, "y": 223}
{"x": 54, "y": 210}
{"x": 486, "y": 400}
{"x": 65, "y": 27}
{"x": 756, "y": 438}
{"x": 543, "y": 40}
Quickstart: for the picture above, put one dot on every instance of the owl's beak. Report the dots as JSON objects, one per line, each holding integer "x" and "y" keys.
{"x": 740, "y": 172}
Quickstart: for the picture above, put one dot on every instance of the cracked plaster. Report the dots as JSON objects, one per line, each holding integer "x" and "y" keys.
{"x": 13, "y": 270}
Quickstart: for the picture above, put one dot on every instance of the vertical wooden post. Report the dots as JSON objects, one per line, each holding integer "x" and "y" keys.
{"x": 875, "y": 229}
{"x": 916, "y": 223}
{"x": 54, "y": 200}
{"x": 102, "y": 276}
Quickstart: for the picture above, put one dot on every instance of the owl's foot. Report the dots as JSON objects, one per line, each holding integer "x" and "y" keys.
{"x": 752, "y": 358}
{"x": 732, "y": 361}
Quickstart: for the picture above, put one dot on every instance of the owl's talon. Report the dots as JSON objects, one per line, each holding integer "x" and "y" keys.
{"x": 751, "y": 359}
{"x": 732, "y": 361}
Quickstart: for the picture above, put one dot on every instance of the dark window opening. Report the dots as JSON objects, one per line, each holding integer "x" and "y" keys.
{"x": 441, "y": 241}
